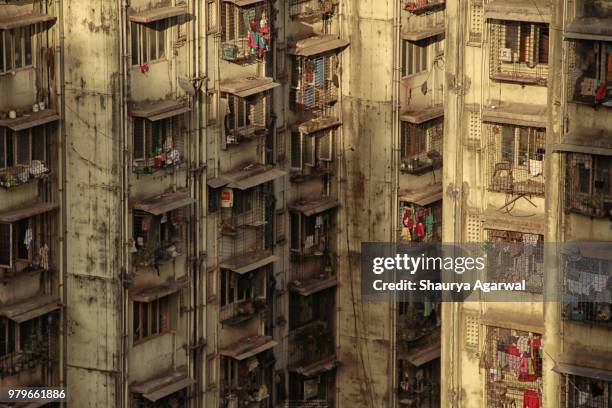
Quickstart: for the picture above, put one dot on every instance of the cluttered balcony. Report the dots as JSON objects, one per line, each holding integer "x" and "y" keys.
{"x": 246, "y": 30}
{"x": 246, "y": 372}
{"x": 423, "y": 6}
{"x": 588, "y": 186}
{"x": 312, "y": 149}
{"x": 26, "y": 240}
{"x": 159, "y": 130}
{"x": 312, "y": 223}
{"x": 169, "y": 390}
{"x": 513, "y": 362}
{"x": 587, "y": 378}
{"x": 516, "y": 159}
{"x": 158, "y": 228}
{"x": 30, "y": 331}
{"x": 421, "y": 214}
{"x": 587, "y": 283}
{"x": 590, "y": 71}
{"x": 422, "y": 133}
{"x": 514, "y": 256}
{"x": 25, "y": 140}
{"x": 310, "y": 9}
{"x": 248, "y": 112}
{"x": 519, "y": 51}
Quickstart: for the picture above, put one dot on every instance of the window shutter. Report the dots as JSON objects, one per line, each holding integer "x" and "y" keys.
{"x": 296, "y": 151}
{"x": 5, "y": 245}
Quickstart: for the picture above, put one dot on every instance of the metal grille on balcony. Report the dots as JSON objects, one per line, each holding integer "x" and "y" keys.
{"x": 245, "y": 31}
{"x": 314, "y": 87}
{"x": 519, "y": 51}
{"x": 422, "y": 6}
{"x": 583, "y": 392}
{"x": 308, "y": 9}
{"x": 513, "y": 363}
{"x": 247, "y": 117}
{"x": 515, "y": 157}
{"x": 421, "y": 146}
{"x": 588, "y": 187}
{"x": 515, "y": 256}
{"x": 589, "y": 66}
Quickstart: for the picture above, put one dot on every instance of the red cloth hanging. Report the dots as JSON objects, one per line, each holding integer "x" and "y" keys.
{"x": 420, "y": 230}
{"x": 531, "y": 399}
{"x": 600, "y": 94}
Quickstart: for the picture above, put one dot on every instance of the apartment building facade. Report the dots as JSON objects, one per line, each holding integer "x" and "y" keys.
{"x": 527, "y": 91}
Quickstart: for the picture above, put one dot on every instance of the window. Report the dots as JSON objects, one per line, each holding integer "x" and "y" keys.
{"x": 240, "y": 287}
{"x": 148, "y": 42}
{"x": 245, "y": 31}
{"x": 23, "y": 242}
{"x": 591, "y": 72}
{"x": 151, "y": 318}
{"x": 23, "y": 155}
{"x": 311, "y": 149}
{"x": 421, "y": 146}
{"x": 589, "y": 189}
{"x": 414, "y": 140}
{"x": 30, "y": 338}
{"x": 243, "y": 201}
{"x": 313, "y": 83}
{"x": 310, "y": 234}
{"x": 246, "y": 117}
{"x": 157, "y": 239}
{"x": 415, "y": 57}
{"x": 16, "y": 49}
{"x": 157, "y": 144}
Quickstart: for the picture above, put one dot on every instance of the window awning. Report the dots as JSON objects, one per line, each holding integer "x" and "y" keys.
{"x": 247, "y": 177}
{"x": 309, "y": 208}
{"x": 590, "y": 28}
{"x": 318, "y": 124}
{"x": 311, "y": 286}
{"x": 516, "y": 114}
{"x": 27, "y": 211}
{"x": 418, "y": 35}
{"x": 520, "y": 222}
{"x": 422, "y": 115}
{"x": 531, "y": 11}
{"x": 321, "y": 366}
{"x": 423, "y": 196}
{"x": 243, "y": 3}
{"x": 30, "y": 308}
{"x": 586, "y": 140}
{"x": 248, "y": 347}
{"x": 245, "y": 87}
{"x": 156, "y": 14}
{"x": 584, "y": 364}
{"x": 30, "y": 120}
{"x": 164, "y": 203}
{"x": 249, "y": 261}
{"x": 161, "y": 387}
{"x": 159, "y": 110}
{"x": 11, "y": 22}
{"x": 515, "y": 321}
{"x": 156, "y": 292}
{"x": 319, "y": 44}
{"x": 426, "y": 354}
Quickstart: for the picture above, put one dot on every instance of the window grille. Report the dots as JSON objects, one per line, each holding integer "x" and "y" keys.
{"x": 587, "y": 290}
{"x": 314, "y": 87}
{"x": 519, "y": 51}
{"x": 420, "y": 224}
{"x": 583, "y": 392}
{"x": 513, "y": 363}
{"x": 415, "y": 56}
{"x": 589, "y": 184}
{"x": 158, "y": 145}
{"x": 16, "y": 48}
{"x": 242, "y": 381}
{"x": 25, "y": 245}
{"x": 515, "y": 256}
{"x": 157, "y": 239}
{"x": 422, "y": 6}
{"x": 516, "y": 159}
{"x": 245, "y": 31}
{"x": 247, "y": 117}
{"x": 590, "y": 72}
{"x": 312, "y": 154}
{"x": 421, "y": 146}
{"x": 307, "y": 9}
{"x": 24, "y": 155}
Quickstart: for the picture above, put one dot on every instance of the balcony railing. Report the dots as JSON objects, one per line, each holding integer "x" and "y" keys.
{"x": 22, "y": 174}
{"x": 305, "y": 9}
{"x": 38, "y": 352}
{"x": 239, "y": 312}
{"x": 421, "y": 6}
{"x": 311, "y": 343}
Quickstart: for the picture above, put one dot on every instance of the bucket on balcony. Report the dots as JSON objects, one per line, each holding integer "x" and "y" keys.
{"x": 227, "y": 198}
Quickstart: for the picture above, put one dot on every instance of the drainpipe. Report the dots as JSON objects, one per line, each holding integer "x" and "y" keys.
{"x": 124, "y": 255}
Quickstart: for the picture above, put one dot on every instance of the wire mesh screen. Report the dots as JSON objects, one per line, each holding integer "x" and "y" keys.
{"x": 242, "y": 224}
{"x": 515, "y": 256}
{"x": 583, "y": 392}
{"x": 587, "y": 291}
{"x": 245, "y": 31}
{"x": 421, "y": 146}
{"x": 513, "y": 363}
{"x": 516, "y": 159}
{"x": 590, "y": 72}
{"x": 588, "y": 184}
{"x": 247, "y": 117}
{"x": 420, "y": 224}
{"x": 519, "y": 51}
{"x": 303, "y": 9}
{"x": 314, "y": 87}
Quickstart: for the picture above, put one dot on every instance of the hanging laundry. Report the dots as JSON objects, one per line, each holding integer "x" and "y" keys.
{"x": 319, "y": 72}
{"x": 27, "y": 240}
{"x": 531, "y": 399}
{"x": 429, "y": 224}
{"x": 420, "y": 229}
{"x": 406, "y": 236}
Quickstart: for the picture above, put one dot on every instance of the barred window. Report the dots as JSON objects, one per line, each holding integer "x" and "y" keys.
{"x": 421, "y": 145}
{"x": 591, "y": 72}
{"x": 148, "y": 42}
{"x": 589, "y": 184}
{"x": 313, "y": 86}
{"x": 16, "y": 49}
{"x": 311, "y": 149}
{"x": 245, "y": 31}
{"x": 584, "y": 392}
{"x": 246, "y": 117}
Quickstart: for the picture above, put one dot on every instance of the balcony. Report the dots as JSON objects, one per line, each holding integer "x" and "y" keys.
{"x": 312, "y": 349}
{"x": 245, "y": 30}
{"x": 423, "y": 6}
{"x": 310, "y": 9}
{"x": 311, "y": 226}
{"x": 421, "y": 214}
{"x": 234, "y": 314}
{"x": 421, "y": 140}
{"x": 587, "y": 378}
{"x": 589, "y": 65}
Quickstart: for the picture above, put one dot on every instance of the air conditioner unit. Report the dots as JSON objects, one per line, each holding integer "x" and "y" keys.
{"x": 505, "y": 54}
